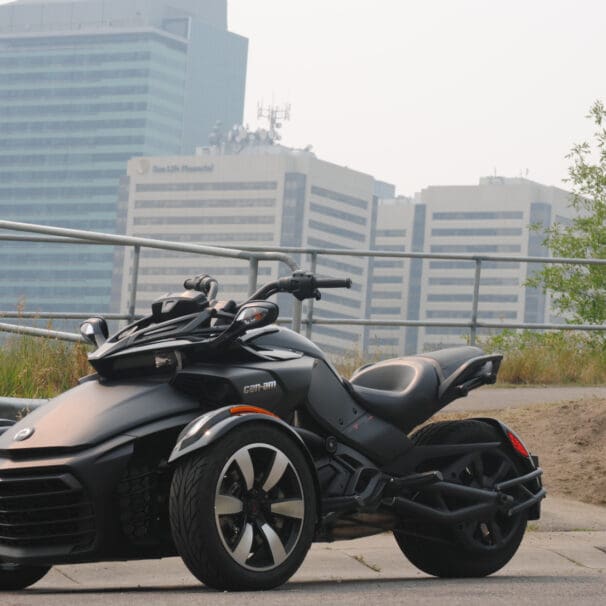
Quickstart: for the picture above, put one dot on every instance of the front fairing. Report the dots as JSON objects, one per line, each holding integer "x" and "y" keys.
{"x": 94, "y": 412}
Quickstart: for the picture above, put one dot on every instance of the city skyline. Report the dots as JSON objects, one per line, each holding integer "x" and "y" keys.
{"x": 439, "y": 92}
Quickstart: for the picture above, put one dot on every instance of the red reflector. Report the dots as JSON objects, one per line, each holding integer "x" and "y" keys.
{"x": 240, "y": 410}
{"x": 517, "y": 444}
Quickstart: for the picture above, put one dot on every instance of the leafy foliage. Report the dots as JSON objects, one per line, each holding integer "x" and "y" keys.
{"x": 579, "y": 292}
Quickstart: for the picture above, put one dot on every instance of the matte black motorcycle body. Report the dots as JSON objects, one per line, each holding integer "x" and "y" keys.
{"x": 210, "y": 433}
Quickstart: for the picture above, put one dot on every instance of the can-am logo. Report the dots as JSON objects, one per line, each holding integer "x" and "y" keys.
{"x": 23, "y": 434}
{"x": 257, "y": 387}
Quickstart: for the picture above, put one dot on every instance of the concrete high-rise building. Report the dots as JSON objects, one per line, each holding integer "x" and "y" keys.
{"x": 491, "y": 218}
{"x": 265, "y": 195}
{"x": 85, "y": 85}
{"x": 389, "y": 277}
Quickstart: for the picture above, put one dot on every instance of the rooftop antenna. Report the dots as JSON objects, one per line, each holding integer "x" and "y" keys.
{"x": 275, "y": 115}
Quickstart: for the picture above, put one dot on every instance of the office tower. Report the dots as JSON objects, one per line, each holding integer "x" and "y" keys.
{"x": 252, "y": 195}
{"x": 85, "y": 85}
{"x": 494, "y": 218}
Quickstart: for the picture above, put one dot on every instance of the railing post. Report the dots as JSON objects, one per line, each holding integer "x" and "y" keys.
{"x": 475, "y": 302}
{"x": 132, "y": 300}
{"x": 253, "y": 274}
{"x": 310, "y": 302}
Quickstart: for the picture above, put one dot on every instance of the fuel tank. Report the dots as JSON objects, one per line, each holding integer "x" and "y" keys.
{"x": 93, "y": 412}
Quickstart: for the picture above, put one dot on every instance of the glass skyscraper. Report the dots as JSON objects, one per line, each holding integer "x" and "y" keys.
{"x": 85, "y": 86}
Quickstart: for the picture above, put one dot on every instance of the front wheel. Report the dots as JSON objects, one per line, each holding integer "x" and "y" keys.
{"x": 243, "y": 510}
{"x": 470, "y": 549}
{"x": 15, "y": 576}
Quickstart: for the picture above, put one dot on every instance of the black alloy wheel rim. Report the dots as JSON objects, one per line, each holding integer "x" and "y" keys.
{"x": 259, "y": 507}
{"x": 484, "y": 470}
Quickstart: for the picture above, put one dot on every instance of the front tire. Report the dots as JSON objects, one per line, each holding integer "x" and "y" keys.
{"x": 15, "y": 576}
{"x": 243, "y": 510}
{"x": 471, "y": 549}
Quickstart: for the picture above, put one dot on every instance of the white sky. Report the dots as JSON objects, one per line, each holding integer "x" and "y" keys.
{"x": 429, "y": 91}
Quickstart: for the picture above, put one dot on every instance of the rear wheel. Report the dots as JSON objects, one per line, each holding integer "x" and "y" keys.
{"x": 470, "y": 549}
{"x": 15, "y": 576}
{"x": 243, "y": 511}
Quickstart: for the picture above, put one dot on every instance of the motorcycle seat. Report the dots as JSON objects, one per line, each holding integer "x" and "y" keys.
{"x": 405, "y": 391}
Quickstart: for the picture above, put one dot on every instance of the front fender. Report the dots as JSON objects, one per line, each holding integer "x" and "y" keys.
{"x": 208, "y": 428}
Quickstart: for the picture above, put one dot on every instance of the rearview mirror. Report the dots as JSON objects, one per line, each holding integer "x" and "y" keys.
{"x": 253, "y": 314}
{"x": 94, "y": 331}
{"x": 256, "y": 314}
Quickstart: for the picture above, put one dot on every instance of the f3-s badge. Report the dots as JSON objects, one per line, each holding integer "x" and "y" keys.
{"x": 24, "y": 434}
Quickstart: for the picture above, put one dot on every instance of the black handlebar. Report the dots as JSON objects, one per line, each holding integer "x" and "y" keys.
{"x": 334, "y": 283}
{"x": 203, "y": 283}
{"x": 301, "y": 284}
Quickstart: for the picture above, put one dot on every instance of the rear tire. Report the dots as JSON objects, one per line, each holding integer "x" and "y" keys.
{"x": 15, "y": 576}
{"x": 470, "y": 549}
{"x": 243, "y": 510}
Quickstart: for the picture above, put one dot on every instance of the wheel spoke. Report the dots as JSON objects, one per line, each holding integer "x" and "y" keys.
{"x": 501, "y": 472}
{"x": 226, "y": 505}
{"x": 275, "y": 544}
{"x": 291, "y": 508}
{"x": 242, "y": 550}
{"x": 245, "y": 464}
{"x": 279, "y": 465}
{"x": 478, "y": 466}
{"x": 495, "y": 533}
{"x": 469, "y": 529}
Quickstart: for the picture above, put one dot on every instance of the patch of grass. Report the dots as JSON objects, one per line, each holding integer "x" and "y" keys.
{"x": 549, "y": 358}
{"x": 32, "y": 367}
{"x": 530, "y": 358}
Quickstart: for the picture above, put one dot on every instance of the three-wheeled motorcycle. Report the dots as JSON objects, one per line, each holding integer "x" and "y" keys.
{"x": 210, "y": 432}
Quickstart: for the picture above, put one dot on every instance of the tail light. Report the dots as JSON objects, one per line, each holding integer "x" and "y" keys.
{"x": 517, "y": 444}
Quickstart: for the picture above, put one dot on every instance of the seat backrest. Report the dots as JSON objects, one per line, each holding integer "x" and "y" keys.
{"x": 396, "y": 374}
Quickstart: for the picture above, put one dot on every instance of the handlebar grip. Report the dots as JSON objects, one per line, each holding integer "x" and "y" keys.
{"x": 334, "y": 283}
{"x": 202, "y": 283}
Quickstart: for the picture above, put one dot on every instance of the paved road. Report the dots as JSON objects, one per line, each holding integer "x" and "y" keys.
{"x": 494, "y": 398}
{"x": 550, "y": 568}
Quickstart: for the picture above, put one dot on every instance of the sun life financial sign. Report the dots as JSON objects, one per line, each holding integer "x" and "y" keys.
{"x": 183, "y": 168}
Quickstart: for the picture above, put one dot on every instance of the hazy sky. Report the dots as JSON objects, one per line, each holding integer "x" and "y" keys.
{"x": 429, "y": 91}
{"x": 432, "y": 91}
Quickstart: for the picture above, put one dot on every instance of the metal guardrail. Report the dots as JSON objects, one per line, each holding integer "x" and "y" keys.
{"x": 12, "y": 408}
{"x": 255, "y": 254}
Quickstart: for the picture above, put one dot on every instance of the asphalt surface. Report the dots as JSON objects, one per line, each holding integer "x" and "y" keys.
{"x": 562, "y": 558}
{"x": 495, "y": 398}
{"x": 550, "y": 567}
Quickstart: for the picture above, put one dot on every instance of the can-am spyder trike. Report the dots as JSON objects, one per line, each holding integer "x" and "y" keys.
{"x": 211, "y": 433}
